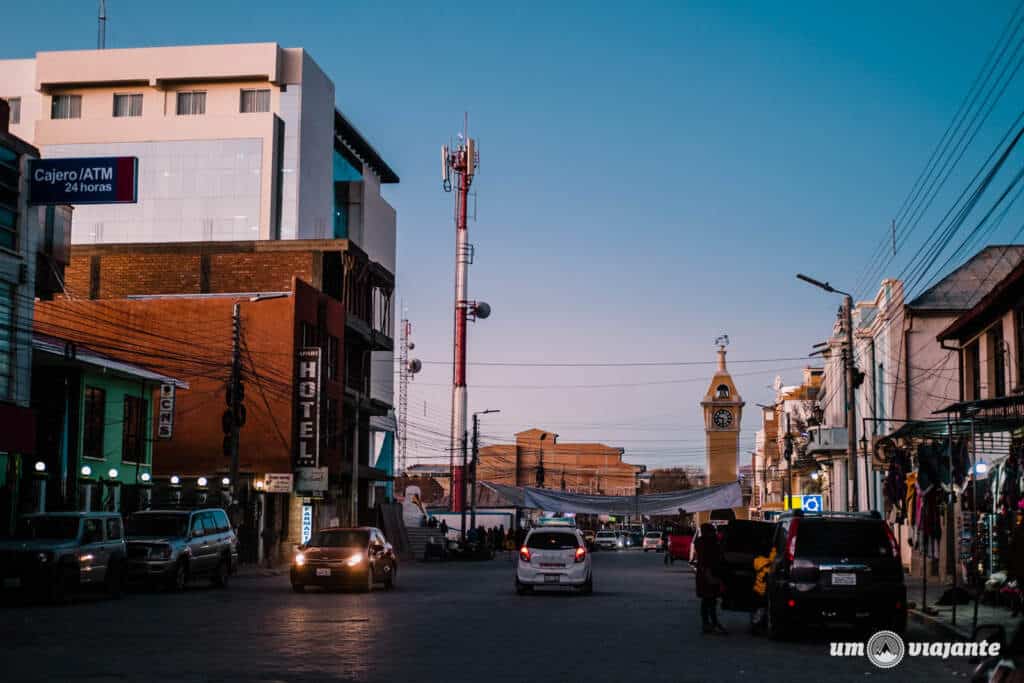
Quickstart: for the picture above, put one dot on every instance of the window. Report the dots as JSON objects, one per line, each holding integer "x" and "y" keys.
{"x": 722, "y": 392}
{"x": 191, "y": 103}
{"x": 209, "y": 524}
{"x": 66, "y": 107}
{"x": 332, "y": 424}
{"x": 94, "y": 422}
{"x": 222, "y": 520}
{"x": 997, "y": 351}
{"x": 197, "y": 526}
{"x": 8, "y": 228}
{"x": 127, "y": 104}
{"x": 552, "y": 540}
{"x": 332, "y": 357}
{"x": 92, "y": 531}
{"x": 15, "y": 104}
{"x": 254, "y": 101}
{"x": 1019, "y": 318}
{"x": 132, "y": 441}
{"x": 972, "y": 368}
{"x": 113, "y": 529}
{"x": 6, "y": 339}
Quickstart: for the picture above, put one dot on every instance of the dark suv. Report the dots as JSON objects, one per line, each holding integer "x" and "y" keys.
{"x": 835, "y": 567}
{"x": 174, "y": 546}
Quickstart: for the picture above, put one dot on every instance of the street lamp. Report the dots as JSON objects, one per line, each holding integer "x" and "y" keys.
{"x": 476, "y": 453}
{"x": 851, "y": 396}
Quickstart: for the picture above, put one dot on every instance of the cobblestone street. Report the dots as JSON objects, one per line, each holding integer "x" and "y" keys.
{"x": 444, "y": 622}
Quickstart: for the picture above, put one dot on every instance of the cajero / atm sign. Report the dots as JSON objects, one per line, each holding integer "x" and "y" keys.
{"x": 307, "y": 423}
{"x": 92, "y": 180}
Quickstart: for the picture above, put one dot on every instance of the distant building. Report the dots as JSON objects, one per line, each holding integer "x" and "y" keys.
{"x": 538, "y": 459}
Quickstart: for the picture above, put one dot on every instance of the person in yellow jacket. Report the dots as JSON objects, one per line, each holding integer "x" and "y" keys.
{"x": 759, "y": 616}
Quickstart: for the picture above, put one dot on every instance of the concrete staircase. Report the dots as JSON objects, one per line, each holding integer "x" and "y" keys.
{"x": 418, "y": 536}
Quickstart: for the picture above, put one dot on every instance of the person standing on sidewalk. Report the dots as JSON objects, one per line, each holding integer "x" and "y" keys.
{"x": 269, "y": 545}
{"x": 709, "y": 586}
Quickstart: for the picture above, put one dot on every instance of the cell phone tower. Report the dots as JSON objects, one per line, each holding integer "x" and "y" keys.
{"x": 459, "y": 164}
{"x": 407, "y": 369}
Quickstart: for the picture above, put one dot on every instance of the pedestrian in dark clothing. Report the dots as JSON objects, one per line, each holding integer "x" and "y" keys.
{"x": 444, "y": 528}
{"x": 709, "y": 586}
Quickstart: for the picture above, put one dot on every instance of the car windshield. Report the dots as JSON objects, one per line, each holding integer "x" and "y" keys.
{"x": 653, "y": 534}
{"x": 147, "y": 524}
{"x": 853, "y": 539}
{"x": 62, "y": 528}
{"x": 552, "y": 540}
{"x": 605, "y": 534}
{"x": 747, "y": 536}
{"x": 341, "y": 538}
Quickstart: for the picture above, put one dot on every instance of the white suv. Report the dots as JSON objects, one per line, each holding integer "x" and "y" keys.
{"x": 554, "y": 557}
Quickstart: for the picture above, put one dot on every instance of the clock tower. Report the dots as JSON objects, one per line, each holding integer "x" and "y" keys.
{"x": 723, "y": 409}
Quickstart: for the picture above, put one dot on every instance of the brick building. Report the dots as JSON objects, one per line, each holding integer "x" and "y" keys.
{"x": 577, "y": 467}
{"x": 170, "y": 307}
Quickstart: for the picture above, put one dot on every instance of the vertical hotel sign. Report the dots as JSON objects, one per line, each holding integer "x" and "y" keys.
{"x": 307, "y": 423}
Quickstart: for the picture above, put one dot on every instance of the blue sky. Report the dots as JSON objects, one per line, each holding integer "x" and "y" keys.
{"x": 652, "y": 175}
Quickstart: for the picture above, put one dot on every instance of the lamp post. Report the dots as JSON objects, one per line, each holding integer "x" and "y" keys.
{"x": 85, "y": 478}
{"x": 260, "y": 488}
{"x": 476, "y": 456}
{"x": 115, "y": 489}
{"x": 147, "y": 490}
{"x": 39, "y": 474}
{"x": 851, "y": 395}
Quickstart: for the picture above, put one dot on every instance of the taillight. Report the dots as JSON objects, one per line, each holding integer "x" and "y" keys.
{"x": 892, "y": 541}
{"x": 791, "y": 539}
{"x": 581, "y": 554}
{"x": 524, "y": 554}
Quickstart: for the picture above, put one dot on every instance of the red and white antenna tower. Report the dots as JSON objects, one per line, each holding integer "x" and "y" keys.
{"x": 459, "y": 164}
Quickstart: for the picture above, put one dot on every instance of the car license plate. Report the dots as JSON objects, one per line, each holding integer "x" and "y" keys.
{"x": 551, "y": 578}
{"x": 12, "y": 582}
{"x": 844, "y": 579}
{"x": 322, "y": 571}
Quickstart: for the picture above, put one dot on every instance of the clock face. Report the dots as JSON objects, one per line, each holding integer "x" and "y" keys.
{"x": 723, "y": 418}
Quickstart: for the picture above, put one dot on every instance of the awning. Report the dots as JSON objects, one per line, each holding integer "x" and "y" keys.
{"x": 664, "y": 503}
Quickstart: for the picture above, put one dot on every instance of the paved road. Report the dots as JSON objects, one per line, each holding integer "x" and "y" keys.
{"x": 450, "y": 622}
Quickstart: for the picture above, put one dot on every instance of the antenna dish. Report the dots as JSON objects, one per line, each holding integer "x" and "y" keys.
{"x": 482, "y": 309}
{"x": 415, "y": 365}
{"x": 411, "y": 346}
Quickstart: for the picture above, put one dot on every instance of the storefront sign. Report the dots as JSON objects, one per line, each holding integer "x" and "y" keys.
{"x": 307, "y": 423}
{"x": 307, "y": 523}
{"x": 278, "y": 483}
{"x": 165, "y": 415}
{"x": 311, "y": 479}
{"x": 93, "y": 180}
{"x": 807, "y": 502}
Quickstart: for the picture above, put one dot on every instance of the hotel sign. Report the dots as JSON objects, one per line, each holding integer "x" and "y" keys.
{"x": 92, "y": 180}
{"x": 307, "y": 408}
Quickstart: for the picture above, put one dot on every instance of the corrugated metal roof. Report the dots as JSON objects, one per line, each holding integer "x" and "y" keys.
{"x": 965, "y": 286}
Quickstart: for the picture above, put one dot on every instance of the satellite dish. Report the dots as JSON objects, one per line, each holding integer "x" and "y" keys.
{"x": 415, "y": 365}
{"x": 482, "y": 310}
{"x": 411, "y": 346}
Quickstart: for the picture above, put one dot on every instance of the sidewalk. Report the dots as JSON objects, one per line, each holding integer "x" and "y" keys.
{"x": 942, "y": 615}
{"x": 252, "y": 571}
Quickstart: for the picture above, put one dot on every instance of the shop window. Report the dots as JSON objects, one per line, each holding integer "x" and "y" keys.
{"x": 94, "y": 422}
{"x": 133, "y": 441}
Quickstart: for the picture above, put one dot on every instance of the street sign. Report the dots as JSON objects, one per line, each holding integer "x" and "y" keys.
{"x": 812, "y": 503}
{"x": 311, "y": 479}
{"x": 278, "y": 483}
{"x": 165, "y": 416}
{"x": 91, "y": 180}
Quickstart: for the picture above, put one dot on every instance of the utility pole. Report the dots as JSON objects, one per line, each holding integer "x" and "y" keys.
{"x": 851, "y": 405}
{"x": 101, "y": 31}
{"x": 853, "y": 502}
{"x": 235, "y": 395}
{"x": 462, "y": 162}
{"x": 476, "y": 459}
{"x": 787, "y": 453}
{"x": 462, "y": 483}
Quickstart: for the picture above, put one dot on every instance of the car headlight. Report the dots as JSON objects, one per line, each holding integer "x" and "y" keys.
{"x": 354, "y": 560}
{"x": 300, "y": 559}
{"x": 87, "y": 558}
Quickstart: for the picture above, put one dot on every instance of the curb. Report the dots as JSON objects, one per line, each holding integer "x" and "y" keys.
{"x": 929, "y": 620}
{"x": 256, "y": 574}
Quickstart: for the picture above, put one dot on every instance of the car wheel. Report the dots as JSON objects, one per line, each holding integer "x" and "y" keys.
{"x": 222, "y": 573}
{"x": 180, "y": 577}
{"x": 392, "y": 579}
{"x": 368, "y": 588}
{"x": 298, "y": 588}
{"x": 114, "y": 580}
{"x": 59, "y": 592}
